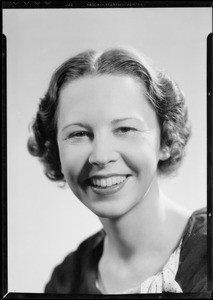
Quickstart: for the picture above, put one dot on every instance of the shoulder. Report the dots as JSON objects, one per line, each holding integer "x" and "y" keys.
{"x": 65, "y": 276}
{"x": 192, "y": 272}
{"x": 196, "y": 231}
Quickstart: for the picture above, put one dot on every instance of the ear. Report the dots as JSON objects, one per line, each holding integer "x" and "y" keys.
{"x": 164, "y": 153}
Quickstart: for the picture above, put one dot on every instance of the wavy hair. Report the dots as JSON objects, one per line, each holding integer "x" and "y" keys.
{"x": 162, "y": 92}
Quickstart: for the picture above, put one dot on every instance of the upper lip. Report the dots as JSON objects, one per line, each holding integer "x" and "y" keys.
{"x": 100, "y": 176}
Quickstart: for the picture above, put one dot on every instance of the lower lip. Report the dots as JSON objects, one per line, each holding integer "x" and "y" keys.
{"x": 110, "y": 189}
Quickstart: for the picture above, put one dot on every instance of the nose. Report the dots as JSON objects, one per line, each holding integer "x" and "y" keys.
{"x": 102, "y": 152}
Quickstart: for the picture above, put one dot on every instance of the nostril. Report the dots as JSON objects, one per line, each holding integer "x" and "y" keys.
{"x": 100, "y": 164}
{"x": 100, "y": 160}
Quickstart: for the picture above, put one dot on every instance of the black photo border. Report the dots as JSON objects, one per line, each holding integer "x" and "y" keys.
{"x": 105, "y": 4}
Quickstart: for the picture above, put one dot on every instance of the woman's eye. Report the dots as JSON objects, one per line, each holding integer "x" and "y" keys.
{"x": 125, "y": 130}
{"x": 78, "y": 135}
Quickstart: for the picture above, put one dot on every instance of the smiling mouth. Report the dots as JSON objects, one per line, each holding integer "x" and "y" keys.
{"x": 106, "y": 182}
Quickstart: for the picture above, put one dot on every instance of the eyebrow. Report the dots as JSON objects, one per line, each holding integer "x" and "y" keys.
{"x": 113, "y": 122}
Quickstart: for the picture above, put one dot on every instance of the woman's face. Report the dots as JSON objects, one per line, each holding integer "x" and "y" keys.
{"x": 109, "y": 142}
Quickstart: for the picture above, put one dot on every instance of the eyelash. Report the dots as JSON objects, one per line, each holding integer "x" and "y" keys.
{"x": 125, "y": 130}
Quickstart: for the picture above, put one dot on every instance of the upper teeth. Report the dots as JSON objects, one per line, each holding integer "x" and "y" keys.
{"x": 103, "y": 182}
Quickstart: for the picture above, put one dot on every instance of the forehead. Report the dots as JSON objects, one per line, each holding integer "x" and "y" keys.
{"x": 103, "y": 83}
{"x": 109, "y": 96}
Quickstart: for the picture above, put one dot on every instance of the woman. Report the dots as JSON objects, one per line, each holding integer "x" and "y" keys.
{"x": 109, "y": 125}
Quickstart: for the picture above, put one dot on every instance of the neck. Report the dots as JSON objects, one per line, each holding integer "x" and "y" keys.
{"x": 139, "y": 230}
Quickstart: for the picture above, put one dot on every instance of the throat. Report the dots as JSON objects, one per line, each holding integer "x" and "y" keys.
{"x": 139, "y": 228}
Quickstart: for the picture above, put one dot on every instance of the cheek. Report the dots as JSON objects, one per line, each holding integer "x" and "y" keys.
{"x": 73, "y": 160}
{"x": 142, "y": 157}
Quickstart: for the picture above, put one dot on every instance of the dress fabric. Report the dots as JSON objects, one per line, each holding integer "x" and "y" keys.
{"x": 185, "y": 271}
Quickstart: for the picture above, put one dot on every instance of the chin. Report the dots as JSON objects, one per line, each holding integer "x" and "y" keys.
{"x": 108, "y": 215}
{"x": 109, "y": 211}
